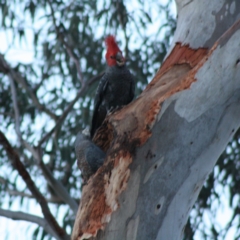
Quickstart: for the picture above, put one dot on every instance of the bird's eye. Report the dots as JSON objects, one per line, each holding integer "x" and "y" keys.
{"x": 112, "y": 57}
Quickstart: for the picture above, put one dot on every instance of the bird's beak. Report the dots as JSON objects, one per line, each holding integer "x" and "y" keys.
{"x": 120, "y": 59}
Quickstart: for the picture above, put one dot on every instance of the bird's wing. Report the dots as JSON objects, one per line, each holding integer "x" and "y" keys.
{"x": 132, "y": 89}
{"x": 95, "y": 157}
{"x": 97, "y": 102}
{"x": 100, "y": 91}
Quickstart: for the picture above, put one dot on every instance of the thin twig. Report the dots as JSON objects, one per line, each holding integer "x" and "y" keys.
{"x": 17, "y": 119}
{"x": 38, "y": 85}
{"x": 53, "y": 199}
{"x": 69, "y": 108}
{"x": 76, "y": 61}
{"x": 18, "y": 165}
{"x": 29, "y": 218}
{"x": 18, "y": 78}
{"x": 16, "y": 109}
{"x": 7, "y": 114}
{"x": 58, "y": 187}
{"x": 6, "y": 69}
{"x": 69, "y": 50}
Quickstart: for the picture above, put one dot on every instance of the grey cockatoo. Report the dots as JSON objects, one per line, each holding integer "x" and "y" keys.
{"x": 89, "y": 156}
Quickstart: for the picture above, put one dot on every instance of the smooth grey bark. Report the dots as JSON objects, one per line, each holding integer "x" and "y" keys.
{"x": 193, "y": 128}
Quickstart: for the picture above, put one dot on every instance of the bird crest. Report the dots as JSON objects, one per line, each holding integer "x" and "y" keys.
{"x": 112, "y": 50}
{"x": 111, "y": 44}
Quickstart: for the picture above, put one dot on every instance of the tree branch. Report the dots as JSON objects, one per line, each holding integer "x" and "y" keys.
{"x": 69, "y": 108}
{"x": 69, "y": 50}
{"x": 18, "y": 215}
{"x": 6, "y": 69}
{"x": 39, "y": 84}
{"x": 84, "y": 85}
{"x": 16, "y": 109}
{"x": 55, "y": 184}
{"x": 17, "y": 164}
{"x": 17, "y": 119}
{"x": 14, "y": 192}
{"x": 53, "y": 199}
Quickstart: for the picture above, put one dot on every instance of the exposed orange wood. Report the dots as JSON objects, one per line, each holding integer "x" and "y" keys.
{"x": 183, "y": 54}
{"x": 179, "y": 55}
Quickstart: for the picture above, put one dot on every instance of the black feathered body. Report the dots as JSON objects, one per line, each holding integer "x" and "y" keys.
{"x": 116, "y": 88}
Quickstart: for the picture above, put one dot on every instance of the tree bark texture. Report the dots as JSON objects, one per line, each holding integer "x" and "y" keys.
{"x": 163, "y": 145}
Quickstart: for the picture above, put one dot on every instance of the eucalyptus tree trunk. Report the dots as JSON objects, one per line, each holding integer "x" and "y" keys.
{"x": 162, "y": 146}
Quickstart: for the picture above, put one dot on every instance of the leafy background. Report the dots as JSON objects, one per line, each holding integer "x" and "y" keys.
{"x": 53, "y": 53}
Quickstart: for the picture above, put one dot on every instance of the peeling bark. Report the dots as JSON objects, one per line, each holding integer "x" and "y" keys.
{"x": 162, "y": 146}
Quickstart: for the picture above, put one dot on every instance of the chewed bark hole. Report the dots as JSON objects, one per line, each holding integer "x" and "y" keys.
{"x": 159, "y": 206}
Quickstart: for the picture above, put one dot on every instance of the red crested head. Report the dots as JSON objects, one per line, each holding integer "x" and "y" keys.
{"x": 113, "y": 54}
